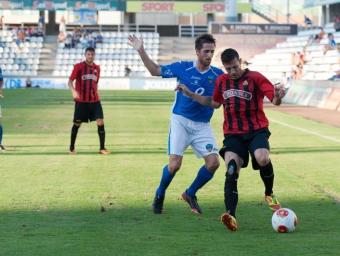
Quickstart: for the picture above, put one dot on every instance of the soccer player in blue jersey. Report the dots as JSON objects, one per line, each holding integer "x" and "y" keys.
{"x": 190, "y": 121}
{"x": 1, "y": 96}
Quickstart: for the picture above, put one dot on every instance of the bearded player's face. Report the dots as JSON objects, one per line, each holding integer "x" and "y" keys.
{"x": 89, "y": 56}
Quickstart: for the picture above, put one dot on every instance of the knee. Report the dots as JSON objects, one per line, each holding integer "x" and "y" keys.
{"x": 174, "y": 166}
{"x": 100, "y": 122}
{"x": 262, "y": 159}
{"x": 78, "y": 124}
{"x": 213, "y": 164}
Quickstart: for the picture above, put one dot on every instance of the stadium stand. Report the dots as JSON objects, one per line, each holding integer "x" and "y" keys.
{"x": 113, "y": 54}
{"x": 318, "y": 63}
{"x": 19, "y": 53}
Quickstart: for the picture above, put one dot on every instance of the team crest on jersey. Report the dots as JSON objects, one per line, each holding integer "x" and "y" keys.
{"x": 237, "y": 93}
{"x": 168, "y": 72}
{"x": 210, "y": 80}
{"x": 245, "y": 84}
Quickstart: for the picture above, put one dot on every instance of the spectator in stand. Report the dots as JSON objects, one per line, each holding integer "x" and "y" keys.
{"x": 308, "y": 22}
{"x": 320, "y": 36}
{"x": 61, "y": 37}
{"x": 331, "y": 45}
{"x": 41, "y": 23}
{"x": 84, "y": 41}
{"x": 91, "y": 41}
{"x": 68, "y": 41}
{"x": 20, "y": 39}
{"x": 299, "y": 71}
{"x": 76, "y": 37}
{"x": 99, "y": 38}
{"x": 310, "y": 40}
{"x": 29, "y": 32}
{"x": 62, "y": 25}
{"x": 294, "y": 74}
{"x": 2, "y": 23}
{"x": 337, "y": 23}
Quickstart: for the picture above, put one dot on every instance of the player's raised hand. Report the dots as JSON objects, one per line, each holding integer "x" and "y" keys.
{"x": 135, "y": 42}
{"x": 184, "y": 89}
{"x": 280, "y": 90}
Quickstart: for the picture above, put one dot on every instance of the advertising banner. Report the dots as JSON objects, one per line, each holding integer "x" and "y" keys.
{"x": 242, "y": 28}
{"x": 105, "y": 83}
{"x": 85, "y": 17}
{"x": 182, "y": 7}
{"x": 63, "y": 5}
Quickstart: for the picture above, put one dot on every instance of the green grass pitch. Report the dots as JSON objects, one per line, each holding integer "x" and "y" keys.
{"x": 50, "y": 201}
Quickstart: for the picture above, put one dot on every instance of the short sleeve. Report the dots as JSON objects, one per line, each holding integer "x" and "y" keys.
{"x": 171, "y": 70}
{"x": 74, "y": 73}
{"x": 265, "y": 86}
{"x": 217, "y": 96}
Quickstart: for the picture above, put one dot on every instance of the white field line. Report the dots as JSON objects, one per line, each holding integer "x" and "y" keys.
{"x": 306, "y": 131}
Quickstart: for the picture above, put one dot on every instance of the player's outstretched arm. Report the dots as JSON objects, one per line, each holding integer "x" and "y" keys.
{"x": 204, "y": 100}
{"x": 137, "y": 44}
{"x": 280, "y": 92}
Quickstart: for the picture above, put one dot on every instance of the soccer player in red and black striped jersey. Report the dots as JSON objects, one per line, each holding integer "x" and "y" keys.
{"x": 245, "y": 127}
{"x": 87, "y": 102}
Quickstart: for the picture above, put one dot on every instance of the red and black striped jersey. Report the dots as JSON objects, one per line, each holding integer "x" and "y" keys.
{"x": 242, "y": 100}
{"x": 87, "y": 77}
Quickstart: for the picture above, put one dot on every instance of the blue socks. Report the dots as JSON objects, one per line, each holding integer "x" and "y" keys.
{"x": 201, "y": 179}
{"x": 0, "y": 134}
{"x": 165, "y": 182}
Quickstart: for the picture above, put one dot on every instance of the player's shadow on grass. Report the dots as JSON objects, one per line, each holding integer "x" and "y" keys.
{"x": 128, "y": 228}
{"x": 290, "y": 150}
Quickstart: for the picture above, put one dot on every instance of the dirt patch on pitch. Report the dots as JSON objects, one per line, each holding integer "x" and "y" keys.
{"x": 331, "y": 117}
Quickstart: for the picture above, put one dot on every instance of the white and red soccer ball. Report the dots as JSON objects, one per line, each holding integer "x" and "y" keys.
{"x": 284, "y": 220}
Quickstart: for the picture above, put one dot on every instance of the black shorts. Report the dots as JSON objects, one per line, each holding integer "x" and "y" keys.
{"x": 87, "y": 111}
{"x": 243, "y": 144}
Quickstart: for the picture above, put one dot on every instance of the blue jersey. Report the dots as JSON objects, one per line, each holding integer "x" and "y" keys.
{"x": 202, "y": 83}
{"x": 1, "y": 77}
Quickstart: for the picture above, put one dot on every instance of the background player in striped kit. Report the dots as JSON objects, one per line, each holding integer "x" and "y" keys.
{"x": 241, "y": 92}
{"x": 87, "y": 102}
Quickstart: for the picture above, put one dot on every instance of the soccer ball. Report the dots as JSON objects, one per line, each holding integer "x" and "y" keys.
{"x": 284, "y": 220}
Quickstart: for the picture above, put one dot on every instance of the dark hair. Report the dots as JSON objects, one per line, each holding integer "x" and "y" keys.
{"x": 204, "y": 39}
{"x": 229, "y": 55}
{"x": 89, "y": 49}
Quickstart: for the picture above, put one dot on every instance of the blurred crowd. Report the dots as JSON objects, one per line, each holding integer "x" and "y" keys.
{"x": 80, "y": 38}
